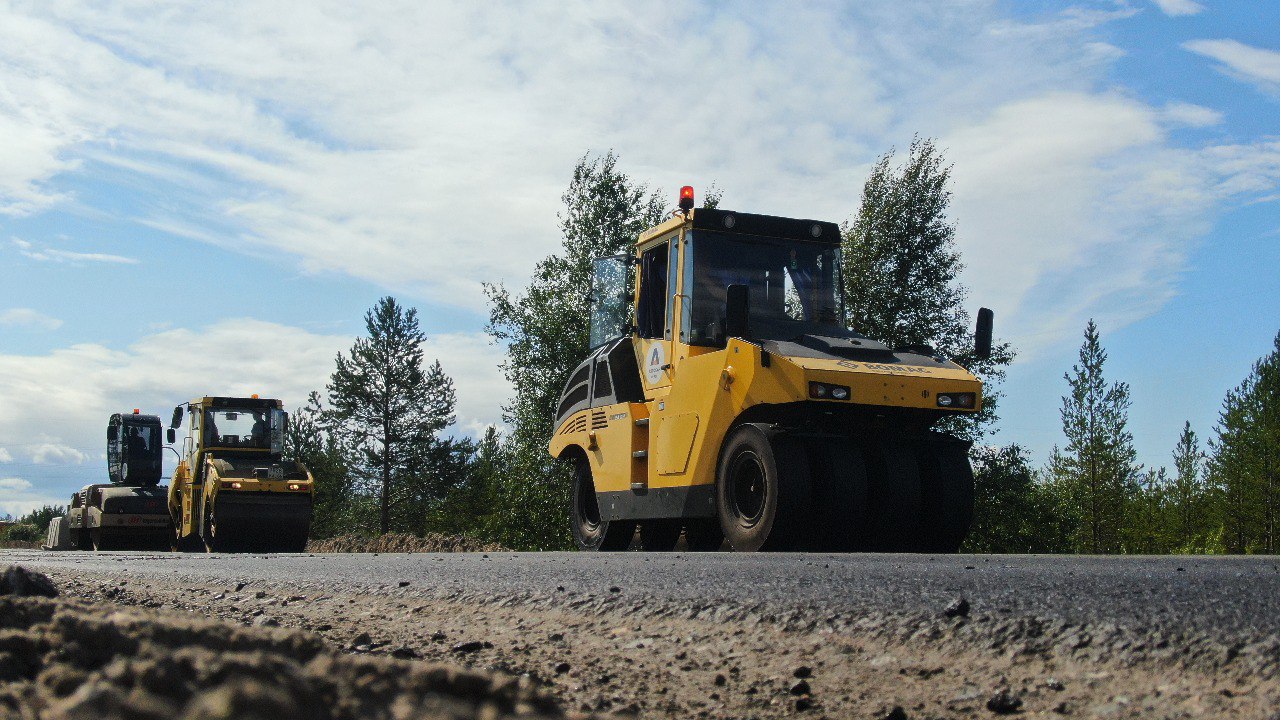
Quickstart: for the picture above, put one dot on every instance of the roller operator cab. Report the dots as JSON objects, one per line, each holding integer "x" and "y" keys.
{"x": 724, "y": 398}
{"x": 233, "y": 490}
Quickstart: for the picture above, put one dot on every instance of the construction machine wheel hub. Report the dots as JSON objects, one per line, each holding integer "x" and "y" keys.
{"x": 748, "y": 488}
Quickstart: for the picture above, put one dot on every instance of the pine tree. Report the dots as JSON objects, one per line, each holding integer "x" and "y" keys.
{"x": 1098, "y": 466}
{"x": 901, "y": 271}
{"x": 1245, "y": 464}
{"x": 389, "y": 410}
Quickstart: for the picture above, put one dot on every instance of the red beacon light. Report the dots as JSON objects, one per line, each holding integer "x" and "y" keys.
{"x": 137, "y": 411}
{"x": 686, "y": 198}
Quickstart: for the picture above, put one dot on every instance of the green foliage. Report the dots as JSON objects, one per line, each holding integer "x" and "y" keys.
{"x": 1013, "y": 511}
{"x": 901, "y": 272}
{"x": 42, "y": 516}
{"x": 386, "y": 412}
{"x": 1097, "y": 469}
{"x": 339, "y": 507}
{"x": 1245, "y": 462}
{"x": 23, "y": 532}
{"x": 1189, "y": 501}
{"x": 545, "y": 330}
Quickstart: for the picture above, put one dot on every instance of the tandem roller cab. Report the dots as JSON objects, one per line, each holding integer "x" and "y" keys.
{"x": 232, "y": 489}
{"x": 724, "y": 398}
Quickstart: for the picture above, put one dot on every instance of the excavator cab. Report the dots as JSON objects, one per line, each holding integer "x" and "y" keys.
{"x": 134, "y": 449}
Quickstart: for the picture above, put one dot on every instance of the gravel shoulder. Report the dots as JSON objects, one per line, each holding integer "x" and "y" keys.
{"x": 613, "y": 648}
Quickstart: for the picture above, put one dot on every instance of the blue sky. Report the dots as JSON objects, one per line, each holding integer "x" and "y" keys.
{"x": 205, "y": 200}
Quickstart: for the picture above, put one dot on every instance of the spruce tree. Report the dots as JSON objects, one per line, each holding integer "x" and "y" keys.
{"x": 902, "y": 271}
{"x": 1245, "y": 464}
{"x": 1187, "y": 493}
{"x": 1098, "y": 466}
{"x": 389, "y": 410}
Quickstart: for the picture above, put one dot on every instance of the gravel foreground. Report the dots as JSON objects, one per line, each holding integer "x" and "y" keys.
{"x": 616, "y": 653}
{"x": 66, "y": 658}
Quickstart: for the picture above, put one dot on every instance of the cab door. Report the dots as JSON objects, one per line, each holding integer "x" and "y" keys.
{"x": 654, "y": 314}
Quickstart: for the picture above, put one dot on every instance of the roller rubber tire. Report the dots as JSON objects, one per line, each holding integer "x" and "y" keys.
{"x": 703, "y": 535}
{"x": 763, "y": 491}
{"x": 590, "y": 531}
{"x": 839, "y": 496}
{"x": 894, "y": 497}
{"x": 946, "y": 480}
{"x": 659, "y": 535}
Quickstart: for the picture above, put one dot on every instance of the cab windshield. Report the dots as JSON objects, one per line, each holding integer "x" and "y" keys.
{"x": 793, "y": 287}
{"x": 238, "y": 428}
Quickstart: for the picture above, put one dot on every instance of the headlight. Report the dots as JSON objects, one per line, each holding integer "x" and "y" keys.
{"x": 823, "y": 391}
{"x": 960, "y": 400}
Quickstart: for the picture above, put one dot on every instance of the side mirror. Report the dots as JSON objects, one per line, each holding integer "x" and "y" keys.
{"x": 177, "y": 418}
{"x": 737, "y": 311}
{"x": 171, "y": 436}
{"x": 982, "y": 335}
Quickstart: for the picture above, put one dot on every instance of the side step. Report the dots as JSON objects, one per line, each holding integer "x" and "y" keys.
{"x": 640, "y": 454}
{"x": 642, "y": 422}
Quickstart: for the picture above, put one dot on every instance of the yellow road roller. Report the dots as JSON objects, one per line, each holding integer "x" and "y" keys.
{"x": 723, "y": 398}
{"x": 233, "y": 490}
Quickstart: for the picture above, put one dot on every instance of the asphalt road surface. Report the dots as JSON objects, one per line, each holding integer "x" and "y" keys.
{"x": 1215, "y": 596}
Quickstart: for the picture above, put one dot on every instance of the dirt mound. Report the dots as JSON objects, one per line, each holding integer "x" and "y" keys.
{"x": 66, "y": 659}
{"x": 401, "y": 543}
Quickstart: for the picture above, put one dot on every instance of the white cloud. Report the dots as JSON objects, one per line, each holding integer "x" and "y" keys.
{"x": 48, "y": 254}
{"x": 1071, "y": 205}
{"x": 26, "y": 317}
{"x": 405, "y": 146}
{"x": 1189, "y": 115}
{"x": 14, "y": 485}
{"x": 472, "y": 361}
{"x": 1178, "y": 8}
{"x": 19, "y": 497}
{"x": 49, "y": 453}
{"x": 1245, "y": 62}
{"x": 5, "y": 456}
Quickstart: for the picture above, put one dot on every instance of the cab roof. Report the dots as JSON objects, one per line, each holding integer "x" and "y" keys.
{"x": 249, "y": 403}
{"x": 730, "y": 221}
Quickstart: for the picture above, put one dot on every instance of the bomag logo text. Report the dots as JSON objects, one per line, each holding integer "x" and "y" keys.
{"x": 900, "y": 368}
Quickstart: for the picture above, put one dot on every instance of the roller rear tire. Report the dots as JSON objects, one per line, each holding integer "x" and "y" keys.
{"x": 590, "y": 531}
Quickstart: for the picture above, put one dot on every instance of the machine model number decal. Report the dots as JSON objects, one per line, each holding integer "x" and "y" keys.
{"x": 654, "y": 364}
{"x": 619, "y": 416}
